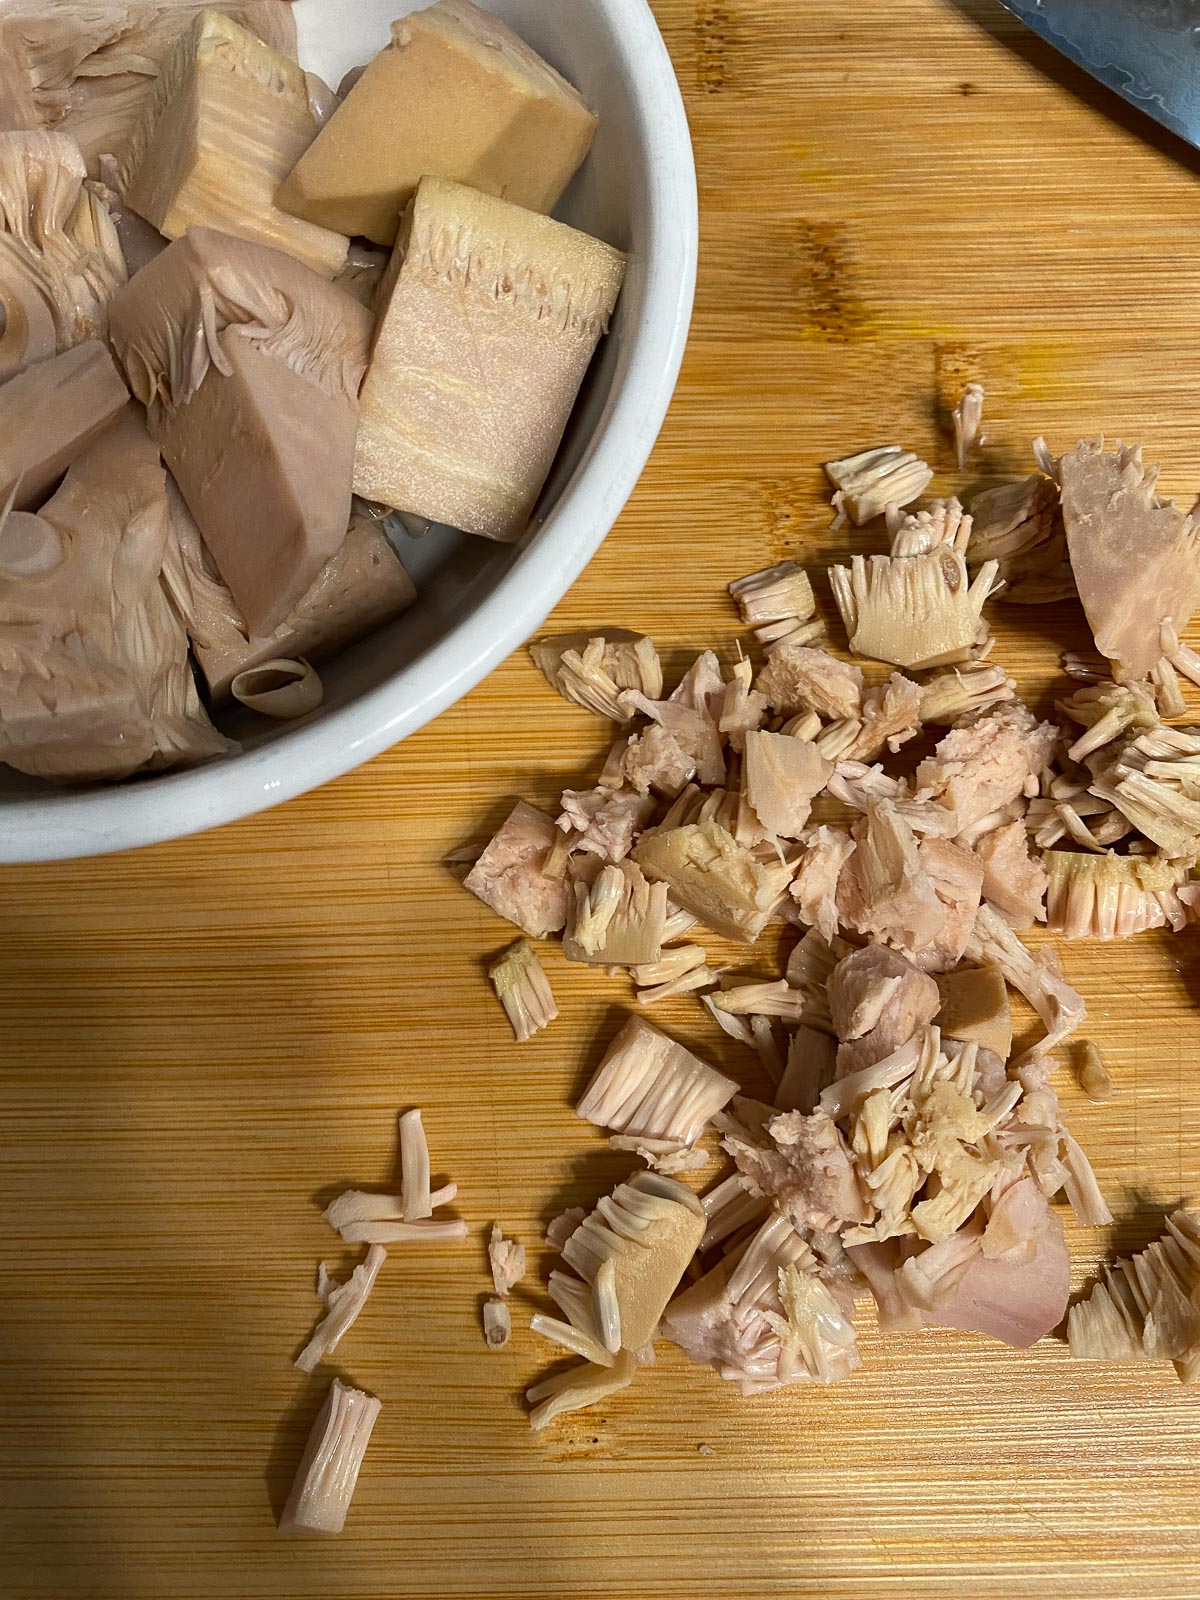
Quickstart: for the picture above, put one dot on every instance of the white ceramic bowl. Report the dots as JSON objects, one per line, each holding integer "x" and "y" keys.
{"x": 478, "y": 601}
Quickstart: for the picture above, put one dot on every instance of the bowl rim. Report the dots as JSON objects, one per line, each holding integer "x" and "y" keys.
{"x": 66, "y": 826}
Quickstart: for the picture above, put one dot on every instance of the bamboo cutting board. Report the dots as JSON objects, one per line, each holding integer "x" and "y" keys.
{"x": 202, "y": 1041}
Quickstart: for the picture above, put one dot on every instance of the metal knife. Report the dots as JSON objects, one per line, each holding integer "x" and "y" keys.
{"x": 1147, "y": 50}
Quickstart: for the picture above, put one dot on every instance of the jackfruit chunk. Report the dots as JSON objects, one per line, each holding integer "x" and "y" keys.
{"x": 227, "y": 121}
{"x": 89, "y": 67}
{"x": 718, "y": 880}
{"x": 60, "y": 257}
{"x": 249, "y": 365}
{"x": 650, "y": 1227}
{"x": 333, "y": 1457}
{"x": 95, "y": 681}
{"x": 913, "y": 611}
{"x": 488, "y": 319}
{"x": 1136, "y": 558}
{"x": 49, "y": 414}
{"x": 454, "y": 95}
{"x": 363, "y": 586}
{"x": 974, "y": 1006}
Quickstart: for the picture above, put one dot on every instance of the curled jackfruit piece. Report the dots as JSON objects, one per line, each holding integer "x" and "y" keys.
{"x": 363, "y": 586}
{"x": 281, "y": 689}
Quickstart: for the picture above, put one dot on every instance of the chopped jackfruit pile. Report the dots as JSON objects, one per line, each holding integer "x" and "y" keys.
{"x": 319, "y": 313}
{"x": 906, "y": 1151}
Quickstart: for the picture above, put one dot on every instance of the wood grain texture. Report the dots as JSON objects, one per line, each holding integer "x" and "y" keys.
{"x": 202, "y": 1041}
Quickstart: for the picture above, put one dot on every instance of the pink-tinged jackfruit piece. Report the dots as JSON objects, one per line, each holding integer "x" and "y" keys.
{"x": 50, "y": 413}
{"x": 457, "y": 95}
{"x": 249, "y": 365}
{"x": 878, "y": 1000}
{"x": 328, "y": 1470}
{"x": 798, "y": 678}
{"x": 884, "y": 890}
{"x": 95, "y": 681}
{"x": 782, "y": 777}
{"x": 1017, "y": 1298}
{"x": 763, "y": 1316}
{"x": 60, "y": 256}
{"x": 1014, "y": 879}
{"x": 89, "y": 67}
{"x": 228, "y": 118}
{"x": 487, "y": 322}
{"x": 806, "y": 1167}
{"x": 649, "y": 1084}
{"x": 363, "y": 586}
{"x": 956, "y": 875}
{"x": 509, "y": 875}
{"x": 986, "y": 762}
{"x": 1134, "y": 556}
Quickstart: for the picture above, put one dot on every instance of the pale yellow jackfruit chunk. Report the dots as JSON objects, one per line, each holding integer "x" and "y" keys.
{"x": 95, "y": 681}
{"x": 454, "y": 95}
{"x": 718, "y": 880}
{"x": 650, "y": 1227}
{"x": 249, "y": 365}
{"x": 89, "y": 67}
{"x": 363, "y": 586}
{"x": 488, "y": 320}
{"x": 227, "y": 121}
{"x": 52, "y": 412}
{"x": 974, "y": 1006}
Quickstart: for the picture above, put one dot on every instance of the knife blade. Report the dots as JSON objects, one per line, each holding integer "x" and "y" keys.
{"x": 1147, "y": 50}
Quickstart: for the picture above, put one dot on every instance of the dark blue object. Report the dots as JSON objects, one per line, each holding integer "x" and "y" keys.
{"x": 1147, "y": 50}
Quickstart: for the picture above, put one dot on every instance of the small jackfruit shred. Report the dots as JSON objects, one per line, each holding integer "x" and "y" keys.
{"x": 523, "y": 989}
